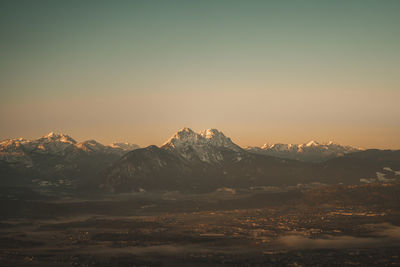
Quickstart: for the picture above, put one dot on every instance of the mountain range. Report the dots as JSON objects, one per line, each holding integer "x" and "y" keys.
{"x": 209, "y": 160}
{"x": 54, "y": 157}
{"x": 188, "y": 161}
{"x": 311, "y": 151}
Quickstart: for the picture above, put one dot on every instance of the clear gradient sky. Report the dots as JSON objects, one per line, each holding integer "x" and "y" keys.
{"x": 260, "y": 71}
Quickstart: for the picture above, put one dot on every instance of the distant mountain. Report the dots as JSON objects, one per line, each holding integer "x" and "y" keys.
{"x": 206, "y": 146}
{"x": 208, "y": 160}
{"x": 311, "y": 151}
{"x": 188, "y": 161}
{"x": 124, "y": 146}
{"x": 54, "y": 156}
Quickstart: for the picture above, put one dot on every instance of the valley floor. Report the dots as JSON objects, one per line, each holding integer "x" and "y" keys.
{"x": 327, "y": 226}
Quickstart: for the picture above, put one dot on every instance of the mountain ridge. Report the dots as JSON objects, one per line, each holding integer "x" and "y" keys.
{"x": 188, "y": 160}
{"x": 312, "y": 151}
{"x": 52, "y": 157}
{"x": 209, "y": 160}
{"x": 56, "y": 143}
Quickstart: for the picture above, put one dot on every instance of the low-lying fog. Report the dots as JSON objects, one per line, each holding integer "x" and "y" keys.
{"x": 384, "y": 235}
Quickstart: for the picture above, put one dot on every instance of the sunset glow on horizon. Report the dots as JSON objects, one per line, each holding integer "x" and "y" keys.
{"x": 259, "y": 71}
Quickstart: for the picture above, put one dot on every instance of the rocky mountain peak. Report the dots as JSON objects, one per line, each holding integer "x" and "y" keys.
{"x": 183, "y": 137}
{"x": 206, "y": 146}
{"x": 217, "y": 138}
{"x": 211, "y": 133}
{"x": 91, "y": 146}
{"x": 211, "y": 137}
{"x": 58, "y": 137}
{"x": 312, "y": 143}
{"x": 124, "y": 146}
{"x": 185, "y": 133}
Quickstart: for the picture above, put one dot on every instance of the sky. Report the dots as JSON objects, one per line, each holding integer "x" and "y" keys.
{"x": 260, "y": 71}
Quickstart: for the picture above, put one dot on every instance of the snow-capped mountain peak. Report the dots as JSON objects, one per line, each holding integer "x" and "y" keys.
{"x": 183, "y": 137}
{"x": 279, "y": 147}
{"x": 90, "y": 146}
{"x": 212, "y": 137}
{"x": 211, "y": 133}
{"x": 311, "y": 151}
{"x": 185, "y": 133}
{"x": 312, "y": 143}
{"x": 125, "y": 146}
{"x": 19, "y": 150}
{"x": 52, "y": 136}
{"x": 206, "y": 145}
{"x": 14, "y": 142}
{"x": 217, "y": 138}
